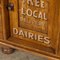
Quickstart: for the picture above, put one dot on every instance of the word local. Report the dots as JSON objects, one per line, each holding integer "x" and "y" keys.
{"x": 32, "y": 36}
{"x": 35, "y": 13}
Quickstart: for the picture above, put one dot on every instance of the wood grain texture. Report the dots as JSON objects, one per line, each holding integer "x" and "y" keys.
{"x": 10, "y": 20}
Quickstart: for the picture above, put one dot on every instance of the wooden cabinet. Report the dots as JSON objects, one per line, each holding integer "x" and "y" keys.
{"x": 32, "y": 25}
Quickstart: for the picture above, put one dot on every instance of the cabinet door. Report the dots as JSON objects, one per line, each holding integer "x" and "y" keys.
{"x": 34, "y": 25}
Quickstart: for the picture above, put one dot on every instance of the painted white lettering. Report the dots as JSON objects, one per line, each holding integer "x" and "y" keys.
{"x": 30, "y": 2}
{"x": 33, "y": 36}
{"x": 36, "y": 37}
{"x": 44, "y": 16}
{"x": 15, "y": 31}
{"x": 30, "y": 35}
{"x": 26, "y": 34}
{"x": 22, "y": 11}
{"x": 21, "y": 33}
{"x": 42, "y": 4}
{"x": 40, "y": 38}
{"x": 29, "y": 12}
{"x": 37, "y": 3}
{"x": 40, "y": 15}
{"x": 34, "y": 14}
{"x": 46, "y": 40}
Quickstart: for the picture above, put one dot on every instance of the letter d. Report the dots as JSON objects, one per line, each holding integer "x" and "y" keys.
{"x": 15, "y": 31}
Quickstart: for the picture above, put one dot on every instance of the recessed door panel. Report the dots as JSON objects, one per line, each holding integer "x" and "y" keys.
{"x": 32, "y": 16}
